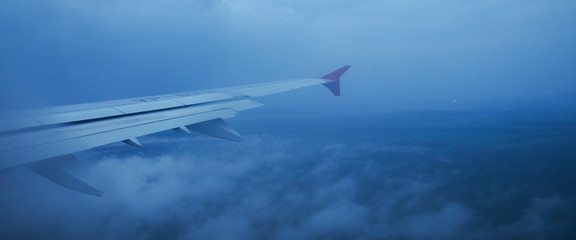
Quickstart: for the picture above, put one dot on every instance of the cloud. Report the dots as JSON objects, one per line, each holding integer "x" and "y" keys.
{"x": 446, "y": 223}
{"x": 275, "y": 187}
{"x": 258, "y": 189}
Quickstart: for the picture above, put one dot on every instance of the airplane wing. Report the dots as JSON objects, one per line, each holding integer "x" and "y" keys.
{"x": 41, "y": 139}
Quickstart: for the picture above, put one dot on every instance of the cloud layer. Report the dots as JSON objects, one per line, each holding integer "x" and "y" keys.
{"x": 289, "y": 184}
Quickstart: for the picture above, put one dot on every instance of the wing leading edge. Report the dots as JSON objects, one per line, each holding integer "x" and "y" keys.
{"x": 38, "y": 138}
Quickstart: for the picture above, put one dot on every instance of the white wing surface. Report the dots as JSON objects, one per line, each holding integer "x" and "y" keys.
{"x": 40, "y": 139}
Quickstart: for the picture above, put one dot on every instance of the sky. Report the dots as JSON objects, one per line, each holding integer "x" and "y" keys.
{"x": 405, "y": 55}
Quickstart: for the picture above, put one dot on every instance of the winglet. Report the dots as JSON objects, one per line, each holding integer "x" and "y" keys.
{"x": 334, "y": 86}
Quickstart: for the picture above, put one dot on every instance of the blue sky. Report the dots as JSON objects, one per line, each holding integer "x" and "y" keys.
{"x": 405, "y": 54}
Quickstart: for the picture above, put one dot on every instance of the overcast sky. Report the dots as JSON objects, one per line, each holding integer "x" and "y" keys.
{"x": 404, "y": 54}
